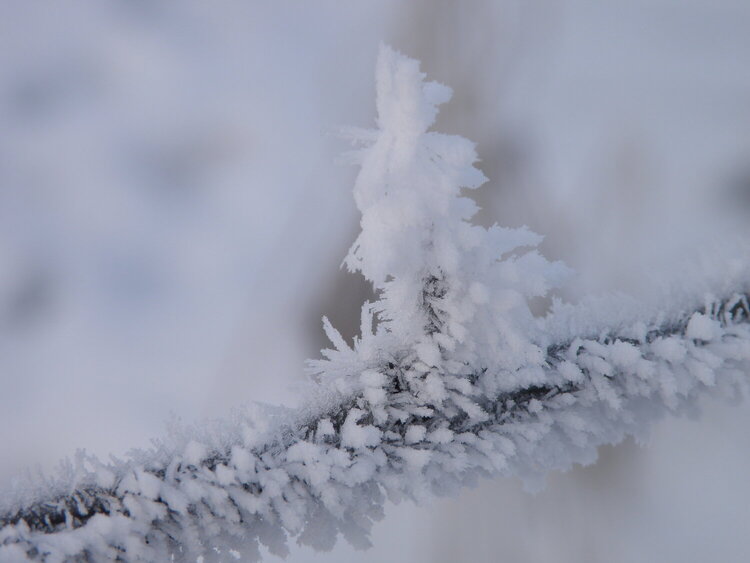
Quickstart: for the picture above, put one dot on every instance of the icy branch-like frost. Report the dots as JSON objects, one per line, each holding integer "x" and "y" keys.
{"x": 457, "y": 380}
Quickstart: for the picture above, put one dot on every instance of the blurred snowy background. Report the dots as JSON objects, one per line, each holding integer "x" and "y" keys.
{"x": 172, "y": 222}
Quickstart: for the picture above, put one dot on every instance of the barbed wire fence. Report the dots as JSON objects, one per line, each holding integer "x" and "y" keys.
{"x": 451, "y": 379}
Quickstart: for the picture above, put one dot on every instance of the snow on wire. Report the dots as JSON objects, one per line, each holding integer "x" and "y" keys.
{"x": 452, "y": 378}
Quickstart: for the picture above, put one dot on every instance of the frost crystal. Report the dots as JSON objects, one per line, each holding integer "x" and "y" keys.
{"x": 457, "y": 379}
{"x": 449, "y": 289}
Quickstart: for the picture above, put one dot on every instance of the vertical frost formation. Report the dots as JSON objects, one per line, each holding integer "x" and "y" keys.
{"x": 457, "y": 380}
{"x": 452, "y": 292}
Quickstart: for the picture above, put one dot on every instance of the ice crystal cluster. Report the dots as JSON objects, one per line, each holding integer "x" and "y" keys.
{"x": 451, "y": 379}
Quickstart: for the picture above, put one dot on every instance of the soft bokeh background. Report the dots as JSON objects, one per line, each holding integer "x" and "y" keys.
{"x": 172, "y": 223}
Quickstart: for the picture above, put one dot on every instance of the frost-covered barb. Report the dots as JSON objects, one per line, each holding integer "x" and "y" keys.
{"x": 451, "y": 379}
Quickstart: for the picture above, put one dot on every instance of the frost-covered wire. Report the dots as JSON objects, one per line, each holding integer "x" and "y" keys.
{"x": 451, "y": 379}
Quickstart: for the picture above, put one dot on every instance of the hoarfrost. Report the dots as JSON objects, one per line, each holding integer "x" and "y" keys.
{"x": 452, "y": 378}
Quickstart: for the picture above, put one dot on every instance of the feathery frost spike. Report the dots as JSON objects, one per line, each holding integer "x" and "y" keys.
{"x": 444, "y": 287}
